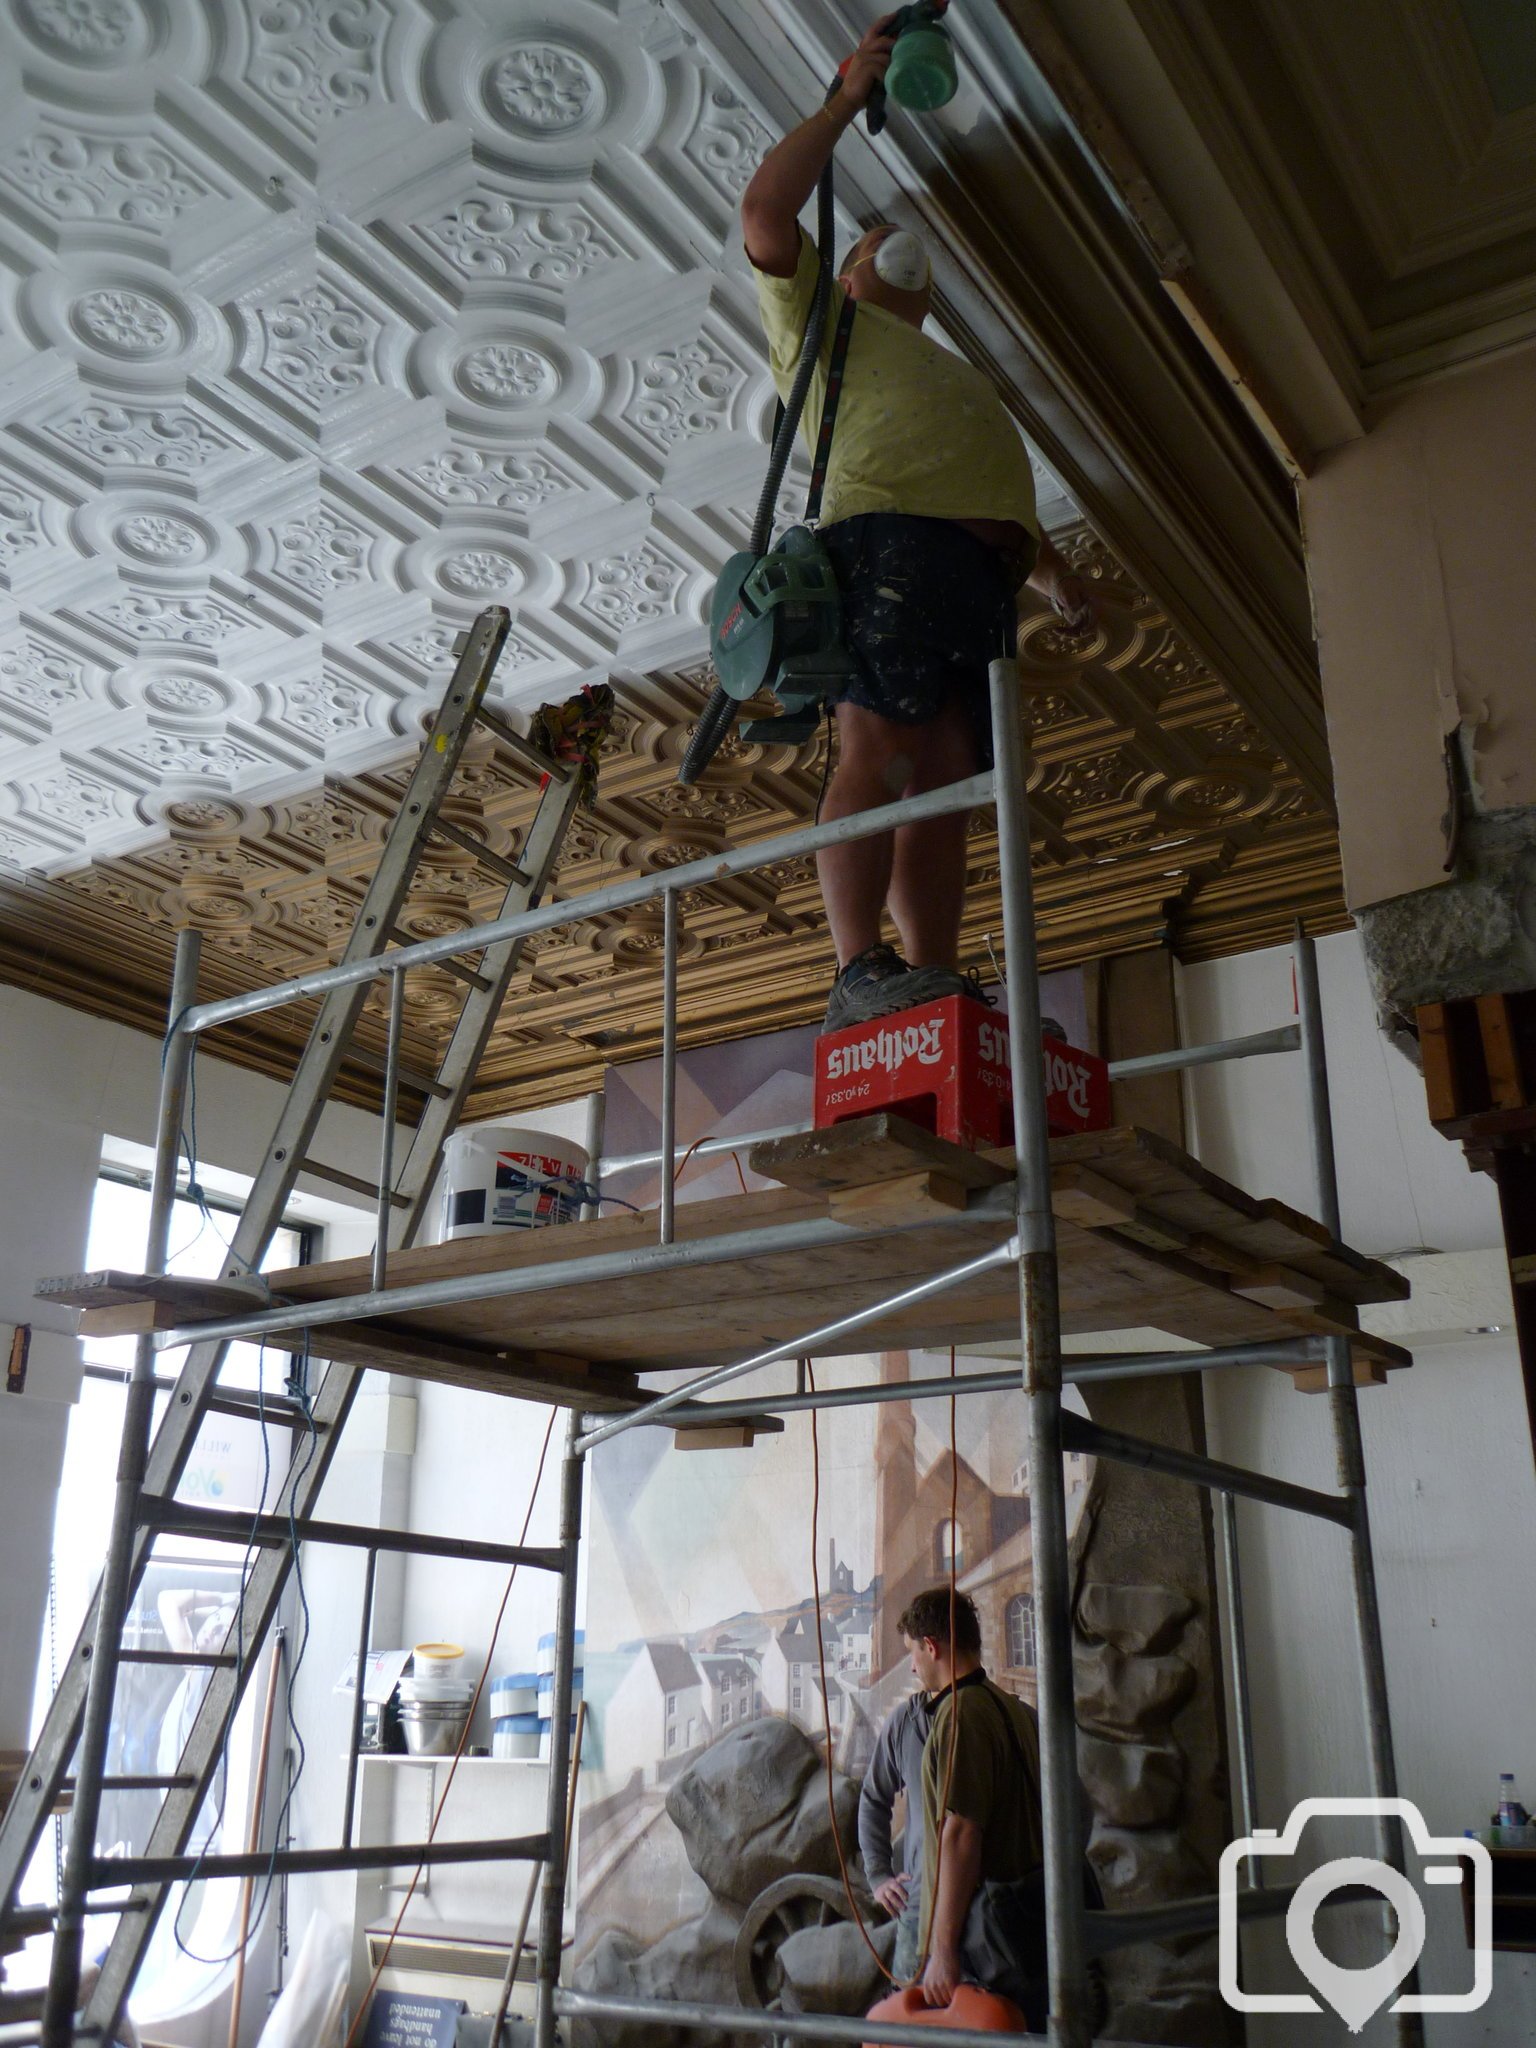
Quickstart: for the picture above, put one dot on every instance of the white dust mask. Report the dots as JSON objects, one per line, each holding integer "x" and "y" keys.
{"x": 901, "y": 261}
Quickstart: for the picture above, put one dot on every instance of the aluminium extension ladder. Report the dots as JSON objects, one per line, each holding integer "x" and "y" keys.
{"x": 285, "y": 1159}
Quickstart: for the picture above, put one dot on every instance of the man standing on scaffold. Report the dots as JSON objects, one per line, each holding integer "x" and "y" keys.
{"x": 929, "y": 519}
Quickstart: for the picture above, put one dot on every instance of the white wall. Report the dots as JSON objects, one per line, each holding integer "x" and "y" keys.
{"x": 1418, "y": 540}
{"x": 69, "y": 1082}
{"x": 1451, "y": 1484}
{"x": 1401, "y": 1185}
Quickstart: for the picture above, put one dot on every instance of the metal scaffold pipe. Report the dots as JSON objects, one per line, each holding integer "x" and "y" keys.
{"x": 1284, "y": 1038}
{"x": 668, "y": 1066}
{"x": 562, "y": 1690}
{"x": 713, "y": 868}
{"x": 589, "y": 1271}
{"x": 795, "y": 1347}
{"x": 1040, "y": 1325}
{"x": 1344, "y": 1414}
{"x": 1077, "y": 1369}
{"x": 1242, "y": 1704}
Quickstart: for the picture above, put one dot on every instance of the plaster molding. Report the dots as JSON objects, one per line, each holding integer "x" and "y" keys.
{"x": 1369, "y": 163}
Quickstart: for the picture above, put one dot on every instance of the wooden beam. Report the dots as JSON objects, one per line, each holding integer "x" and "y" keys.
{"x": 895, "y": 1201}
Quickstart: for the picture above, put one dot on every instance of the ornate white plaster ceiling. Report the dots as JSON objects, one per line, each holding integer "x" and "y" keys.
{"x": 326, "y": 323}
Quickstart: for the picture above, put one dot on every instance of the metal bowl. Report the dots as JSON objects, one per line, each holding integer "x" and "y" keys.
{"x": 432, "y": 1730}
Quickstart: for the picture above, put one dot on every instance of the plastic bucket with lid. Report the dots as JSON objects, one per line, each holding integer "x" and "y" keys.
{"x": 515, "y": 1735}
{"x": 505, "y": 1177}
{"x": 516, "y": 1693}
{"x": 436, "y": 1660}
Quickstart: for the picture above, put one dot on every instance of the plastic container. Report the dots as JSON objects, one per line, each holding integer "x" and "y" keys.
{"x": 517, "y": 1693}
{"x": 506, "y": 1177}
{"x": 436, "y": 1660}
{"x": 546, "y": 1701}
{"x": 436, "y": 1692}
{"x": 515, "y": 1735}
{"x": 547, "y": 1651}
{"x": 971, "y": 2007}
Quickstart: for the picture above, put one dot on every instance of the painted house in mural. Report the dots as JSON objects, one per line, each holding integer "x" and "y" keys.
{"x": 952, "y": 1515}
{"x": 790, "y": 1665}
{"x": 658, "y": 1714}
{"x": 735, "y": 1690}
{"x": 856, "y": 1638}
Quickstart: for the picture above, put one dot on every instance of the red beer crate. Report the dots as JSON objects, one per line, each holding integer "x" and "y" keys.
{"x": 944, "y": 1066}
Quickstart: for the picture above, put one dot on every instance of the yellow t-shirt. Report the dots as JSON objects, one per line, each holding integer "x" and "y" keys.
{"x": 919, "y": 429}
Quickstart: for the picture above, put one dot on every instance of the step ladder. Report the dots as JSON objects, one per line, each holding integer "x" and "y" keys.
{"x": 402, "y": 1200}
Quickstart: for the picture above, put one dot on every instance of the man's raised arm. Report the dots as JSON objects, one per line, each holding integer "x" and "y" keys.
{"x": 787, "y": 175}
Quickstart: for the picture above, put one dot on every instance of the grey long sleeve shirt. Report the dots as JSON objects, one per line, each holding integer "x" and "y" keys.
{"x": 897, "y": 1761}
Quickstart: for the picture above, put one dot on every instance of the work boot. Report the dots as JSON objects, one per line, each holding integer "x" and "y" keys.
{"x": 928, "y": 984}
{"x": 862, "y": 989}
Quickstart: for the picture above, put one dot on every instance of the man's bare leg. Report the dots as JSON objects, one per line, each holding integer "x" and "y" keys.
{"x": 927, "y": 887}
{"x": 874, "y": 766}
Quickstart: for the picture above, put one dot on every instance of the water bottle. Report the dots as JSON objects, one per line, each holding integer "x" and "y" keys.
{"x": 1510, "y": 1814}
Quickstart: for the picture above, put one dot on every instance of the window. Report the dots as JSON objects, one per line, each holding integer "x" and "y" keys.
{"x": 725, "y": 1714}
{"x": 1021, "y": 1632}
{"x": 671, "y": 1740}
{"x": 186, "y": 1598}
{"x": 794, "y": 1699}
{"x": 948, "y": 1548}
{"x": 671, "y": 1706}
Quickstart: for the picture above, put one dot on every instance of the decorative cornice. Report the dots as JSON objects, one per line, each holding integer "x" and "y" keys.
{"x": 1046, "y": 286}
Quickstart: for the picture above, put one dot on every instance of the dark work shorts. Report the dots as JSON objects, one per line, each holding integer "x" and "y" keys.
{"x": 926, "y": 607}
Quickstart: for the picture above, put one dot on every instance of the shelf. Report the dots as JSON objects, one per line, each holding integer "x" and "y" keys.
{"x": 378, "y": 1756}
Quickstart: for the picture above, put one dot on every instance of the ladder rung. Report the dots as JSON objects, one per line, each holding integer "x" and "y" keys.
{"x": 513, "y": 740}
{"x": 498, "y": 863}
{"x": 140, "y": 1781}
{"x": 318, "y": 1171}
{"x": 419, "y": 1084}
{"x": 448, "y": 966}
{"x": 201, "y": 1659}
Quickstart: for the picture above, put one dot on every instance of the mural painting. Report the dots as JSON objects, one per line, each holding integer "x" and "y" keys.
{"x": 701, "y": 1612}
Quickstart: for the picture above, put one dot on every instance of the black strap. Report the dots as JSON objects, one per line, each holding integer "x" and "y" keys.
{"x": 834, "y": 392}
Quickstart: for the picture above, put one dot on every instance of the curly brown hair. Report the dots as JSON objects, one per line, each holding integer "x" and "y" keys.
{"x": 927, "y": 1614}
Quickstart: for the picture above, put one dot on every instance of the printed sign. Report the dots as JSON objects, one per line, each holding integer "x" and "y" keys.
{"x": 532, "y": 1188}
{"x": 408, "y": 2019}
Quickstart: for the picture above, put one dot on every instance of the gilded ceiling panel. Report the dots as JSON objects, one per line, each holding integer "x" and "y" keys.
{"x": 1161, "y": 815}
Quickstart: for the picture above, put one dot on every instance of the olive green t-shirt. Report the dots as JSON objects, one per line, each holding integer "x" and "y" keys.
{"x": 919, "y": 429}
{"x": 996, "y": 1781}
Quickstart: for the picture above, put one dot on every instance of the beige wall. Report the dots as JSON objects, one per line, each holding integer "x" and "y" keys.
{"x": 1420, "y": 540}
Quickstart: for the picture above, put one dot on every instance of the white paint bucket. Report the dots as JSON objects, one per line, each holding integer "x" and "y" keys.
{"x": 503, "y": 1177}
